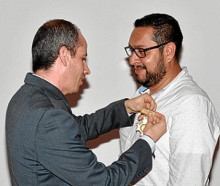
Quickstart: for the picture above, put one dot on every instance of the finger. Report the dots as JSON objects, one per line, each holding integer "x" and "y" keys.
{"x": 140, "y": 117}
{"x": 150, "y": 118}
{"x": 148, "y": 106}
{"x": 156, "y": 120}
{"x": 150, "y": 103}
{"x": 153, "y": 106}
{"x": 159, "y": 116}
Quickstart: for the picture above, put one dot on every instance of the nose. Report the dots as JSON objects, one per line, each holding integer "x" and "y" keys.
{"x": 86, "y": 69}
{"x": 133, "y": 59}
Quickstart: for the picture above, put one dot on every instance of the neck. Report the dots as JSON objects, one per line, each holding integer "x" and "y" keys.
{"x": 43, "y": 74}
{"x": 49, "y": 76}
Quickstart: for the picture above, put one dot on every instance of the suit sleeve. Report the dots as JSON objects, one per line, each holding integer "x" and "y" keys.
{"x": 62, "y": 151}
{"x": 104, "y": 120}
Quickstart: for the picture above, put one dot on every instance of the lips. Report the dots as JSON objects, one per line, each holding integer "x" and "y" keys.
{"x": 138, "y": 68}
{"x": 82, "y": 80}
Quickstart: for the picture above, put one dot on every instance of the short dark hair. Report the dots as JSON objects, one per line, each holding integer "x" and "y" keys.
{"x": 166, "y": 29}
{"x": 48, "y": 40}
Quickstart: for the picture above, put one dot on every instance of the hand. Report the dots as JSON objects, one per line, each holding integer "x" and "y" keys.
{"x": 156, "y": 126}
{"x": 135, "y": 105}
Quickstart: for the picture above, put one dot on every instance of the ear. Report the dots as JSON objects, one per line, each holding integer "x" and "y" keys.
{"x": 64, "y": 55}
{"x": 169, "y": 51}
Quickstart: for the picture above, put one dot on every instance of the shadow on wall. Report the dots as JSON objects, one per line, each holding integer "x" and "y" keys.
{"x": 213, "y": 161}
{"x": 114, "y": 134}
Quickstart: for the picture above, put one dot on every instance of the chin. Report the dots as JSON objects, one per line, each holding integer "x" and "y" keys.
{"x": 140, "y": 80}
{"x": 75, "y": 91}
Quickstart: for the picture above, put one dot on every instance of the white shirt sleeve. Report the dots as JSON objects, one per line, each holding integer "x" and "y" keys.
{"x": 149, "y": 141}
{"x": 191, "y": 142}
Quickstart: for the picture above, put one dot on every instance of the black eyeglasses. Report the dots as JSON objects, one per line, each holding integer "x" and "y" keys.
{"x": 141, "y": 52}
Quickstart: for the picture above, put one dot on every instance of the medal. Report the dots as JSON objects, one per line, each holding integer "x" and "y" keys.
{"x": 142, "y": 123}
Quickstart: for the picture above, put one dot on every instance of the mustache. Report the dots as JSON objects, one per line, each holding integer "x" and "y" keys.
{"x": 138, "y": 67}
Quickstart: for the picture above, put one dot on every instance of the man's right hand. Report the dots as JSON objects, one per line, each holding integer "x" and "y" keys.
{"x": 156, "y": 126}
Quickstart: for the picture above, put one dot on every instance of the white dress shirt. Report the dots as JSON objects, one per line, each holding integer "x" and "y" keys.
{"x": 183, "y": 156}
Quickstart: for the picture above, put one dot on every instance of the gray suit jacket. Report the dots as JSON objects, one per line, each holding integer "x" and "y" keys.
{"x": 46, "y": 143}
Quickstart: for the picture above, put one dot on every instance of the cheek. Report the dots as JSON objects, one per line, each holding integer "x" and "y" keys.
{"x": 79, "y": 67}
{"x": 150, "y": 62}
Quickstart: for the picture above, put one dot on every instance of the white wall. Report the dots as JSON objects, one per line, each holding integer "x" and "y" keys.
{"x": 106, "y": 24}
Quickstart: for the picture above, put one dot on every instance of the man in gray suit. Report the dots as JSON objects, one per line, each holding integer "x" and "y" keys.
{"x": 46, "y": 142}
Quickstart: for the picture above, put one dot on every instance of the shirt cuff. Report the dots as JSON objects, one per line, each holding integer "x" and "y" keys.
{"x": 149, "y": 141}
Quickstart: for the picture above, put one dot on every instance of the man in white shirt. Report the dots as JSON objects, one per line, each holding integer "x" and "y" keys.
{"x": 183, "y": 156}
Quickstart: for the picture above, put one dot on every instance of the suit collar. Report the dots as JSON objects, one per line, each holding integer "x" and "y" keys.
{"x": 49, "y": 88}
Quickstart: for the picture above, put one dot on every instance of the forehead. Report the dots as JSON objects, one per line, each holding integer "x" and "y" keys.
{"x": 82, "y": 40}
{"x": 82, "y": 45}
{"x": 141, "y": 36}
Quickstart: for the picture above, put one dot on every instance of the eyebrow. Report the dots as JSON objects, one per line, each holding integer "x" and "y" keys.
{"x": 139, "y": 46}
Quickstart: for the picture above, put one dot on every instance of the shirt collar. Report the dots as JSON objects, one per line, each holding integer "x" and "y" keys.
{"x": 142, "y": 89}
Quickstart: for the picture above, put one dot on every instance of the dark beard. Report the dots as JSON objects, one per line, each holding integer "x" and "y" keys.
{"x": 154, "y": 78}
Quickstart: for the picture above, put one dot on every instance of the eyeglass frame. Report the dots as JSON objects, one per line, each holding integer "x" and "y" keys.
{"x": 144, "y": 49}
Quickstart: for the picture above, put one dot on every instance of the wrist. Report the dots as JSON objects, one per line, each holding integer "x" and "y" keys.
{"x": 126, "y": 103}
{"x": 150, "y": 141}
